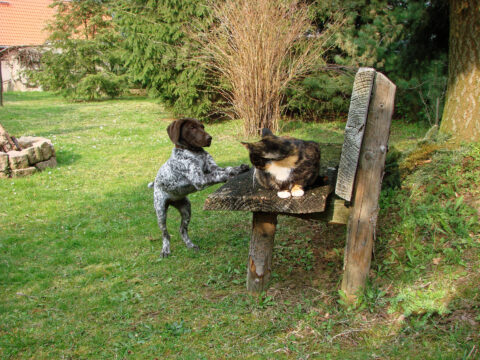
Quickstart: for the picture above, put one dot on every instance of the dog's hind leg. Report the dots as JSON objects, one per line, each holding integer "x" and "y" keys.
{"x": 161, "y": 204}
{"x": 185, "y": 210}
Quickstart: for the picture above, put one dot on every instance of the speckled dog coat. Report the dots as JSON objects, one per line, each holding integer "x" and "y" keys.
{"x": 189, "y": 169}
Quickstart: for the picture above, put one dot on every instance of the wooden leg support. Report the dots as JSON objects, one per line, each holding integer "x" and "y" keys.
{"x": 368, "y": 183}
{"x": 358, "y": 252}
{"x": 261, "y": 249}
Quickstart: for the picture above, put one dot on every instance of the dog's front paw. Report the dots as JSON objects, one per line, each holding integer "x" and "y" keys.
{"x": 225, "y": 177}
{"x": 231, "y": 172}
{"x": 234, "y": 171}
{"x": 243, "y": 168}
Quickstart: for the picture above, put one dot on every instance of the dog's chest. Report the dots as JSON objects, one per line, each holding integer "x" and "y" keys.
{"x": 192, "y": 160}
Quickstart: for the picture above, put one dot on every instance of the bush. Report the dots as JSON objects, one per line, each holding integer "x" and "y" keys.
{"x": 422, "y": 96}
{"x": 161, "y": 57}
{"x": 405, "y": 41}
{"x": 84, "y": 61}
{"x": 97, "y": 86}
{"x": 320, "y": 96}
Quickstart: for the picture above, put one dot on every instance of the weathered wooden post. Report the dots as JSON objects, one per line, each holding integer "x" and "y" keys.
{"x": 368, "y": 182}
{"x": 261, "y": 250}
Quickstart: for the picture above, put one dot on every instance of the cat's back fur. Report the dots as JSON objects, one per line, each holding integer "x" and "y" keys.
{"x": 284, "y": 164}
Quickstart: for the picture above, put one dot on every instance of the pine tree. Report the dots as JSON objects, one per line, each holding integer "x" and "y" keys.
{"x": 83, "y": 60}
{"x": 160, "y": 55}
{"x": 406, "y": 40}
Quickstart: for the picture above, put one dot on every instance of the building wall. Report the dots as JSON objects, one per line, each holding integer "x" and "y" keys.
{"x": 13, "y": 77}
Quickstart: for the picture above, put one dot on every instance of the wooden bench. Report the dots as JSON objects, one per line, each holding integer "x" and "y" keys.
{"x": 353, "y": 171}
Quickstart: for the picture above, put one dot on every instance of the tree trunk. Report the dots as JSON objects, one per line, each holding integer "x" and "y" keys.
{"x": 461, "y": 115}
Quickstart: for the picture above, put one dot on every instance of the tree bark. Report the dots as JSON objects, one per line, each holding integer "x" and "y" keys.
{"x": 461, "y": 115}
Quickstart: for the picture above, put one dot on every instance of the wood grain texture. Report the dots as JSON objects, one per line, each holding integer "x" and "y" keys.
{"x": 336, "y": 212}
{"x": 363, "y": 218}
{"x": 242, "y": 194}
{"x": 340, "y": 212}
{"x": 354, "y": 131}
{"x": 261, "y": 250}
{"x": 7, "y": 142}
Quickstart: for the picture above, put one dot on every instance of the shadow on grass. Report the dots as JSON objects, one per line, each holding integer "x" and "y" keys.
{"x": 103, "y": 253}
{"x": 65, "y": 131}
{"x": 66, "y": 157}
{"x": 125, "y": 98}
{"x": 16, "y": 96}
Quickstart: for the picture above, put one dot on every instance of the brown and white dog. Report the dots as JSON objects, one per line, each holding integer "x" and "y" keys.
{"x": 190, "y": 168}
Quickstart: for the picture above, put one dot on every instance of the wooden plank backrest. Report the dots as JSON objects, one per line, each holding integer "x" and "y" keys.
{"x": 354, "y": 130}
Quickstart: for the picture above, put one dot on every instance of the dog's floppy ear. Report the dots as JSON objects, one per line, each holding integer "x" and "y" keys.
{"x": 174, "y": 130}
{"x": 266, "y": 132}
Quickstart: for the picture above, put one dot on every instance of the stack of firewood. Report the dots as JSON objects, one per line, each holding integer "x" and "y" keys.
{"x": 7, "y": 142}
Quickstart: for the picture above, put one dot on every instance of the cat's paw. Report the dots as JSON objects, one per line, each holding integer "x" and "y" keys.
{"x": 284, "y": 194}
{"x": 297, "y": 191}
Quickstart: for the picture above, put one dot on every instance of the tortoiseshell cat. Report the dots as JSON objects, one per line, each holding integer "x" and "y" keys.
{"x": 285, "y": 164}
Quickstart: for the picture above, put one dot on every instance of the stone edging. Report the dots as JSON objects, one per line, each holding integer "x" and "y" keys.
{"x": 37, "y": 155}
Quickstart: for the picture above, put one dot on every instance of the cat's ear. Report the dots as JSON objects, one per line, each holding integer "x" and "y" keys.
{"x": 247, "y": 145}
{"x": 266, "y": 132}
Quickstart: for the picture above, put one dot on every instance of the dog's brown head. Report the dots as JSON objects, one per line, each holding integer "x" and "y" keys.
{"x": 189, "y": 133}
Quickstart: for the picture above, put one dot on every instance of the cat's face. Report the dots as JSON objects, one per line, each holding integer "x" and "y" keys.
{"x": 269, "y": 148}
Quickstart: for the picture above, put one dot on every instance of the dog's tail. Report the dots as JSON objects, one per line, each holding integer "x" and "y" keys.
{"x": 150, "y": 184}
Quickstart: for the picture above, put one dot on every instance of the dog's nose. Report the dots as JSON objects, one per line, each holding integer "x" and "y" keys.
{"x": 209, "y": 138}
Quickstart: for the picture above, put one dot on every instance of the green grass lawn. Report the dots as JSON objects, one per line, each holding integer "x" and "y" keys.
{"x": 81, "y": 275}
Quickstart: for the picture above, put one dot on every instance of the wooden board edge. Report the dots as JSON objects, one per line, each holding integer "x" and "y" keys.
{"x": 354, "y": 131}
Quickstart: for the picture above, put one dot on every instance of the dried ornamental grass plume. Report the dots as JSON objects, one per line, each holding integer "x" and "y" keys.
{"x": 258, "y": 48}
